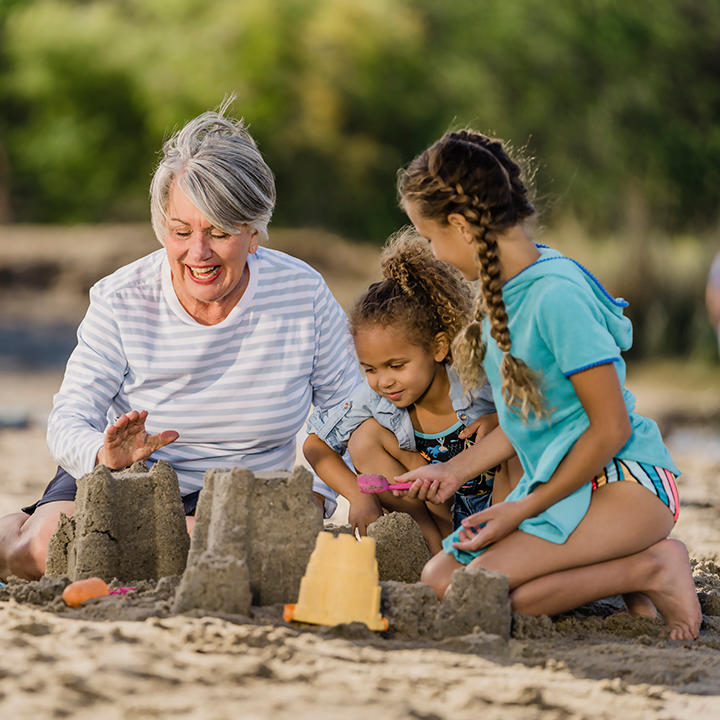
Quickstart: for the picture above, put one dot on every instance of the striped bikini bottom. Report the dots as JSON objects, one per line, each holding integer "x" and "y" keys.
{"x": 657, "y": 480}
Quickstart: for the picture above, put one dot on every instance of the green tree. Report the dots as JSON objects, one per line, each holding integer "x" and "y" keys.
{"x": 619, "y": 102}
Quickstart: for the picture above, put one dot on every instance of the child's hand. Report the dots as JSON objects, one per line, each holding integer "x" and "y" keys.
{"x": 363, "y": 511}
{"x": 479, "y": 428}
{"x": 432, "y": 483}
{"x": 490, "y": 525}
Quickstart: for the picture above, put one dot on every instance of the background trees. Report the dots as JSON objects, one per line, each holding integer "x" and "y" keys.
{"x": 618, "y": 102}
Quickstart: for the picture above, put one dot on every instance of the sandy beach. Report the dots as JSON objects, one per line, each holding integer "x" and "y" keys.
{"x": 130, "y": 657}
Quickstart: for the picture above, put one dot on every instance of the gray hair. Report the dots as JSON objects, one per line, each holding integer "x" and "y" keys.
{"x": 219, "y": 168}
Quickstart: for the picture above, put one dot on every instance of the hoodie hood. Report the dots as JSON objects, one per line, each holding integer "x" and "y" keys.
{"x": 552, "y": 263}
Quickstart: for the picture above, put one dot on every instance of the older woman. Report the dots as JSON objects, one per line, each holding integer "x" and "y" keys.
{"x": 206, "y": 353}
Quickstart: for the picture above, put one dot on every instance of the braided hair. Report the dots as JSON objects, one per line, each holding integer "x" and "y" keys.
{"x": 419, "y": 292}
{"x": 471, "y": 174}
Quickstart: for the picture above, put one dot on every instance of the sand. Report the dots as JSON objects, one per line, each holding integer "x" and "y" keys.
{"x": 132, "y": 656}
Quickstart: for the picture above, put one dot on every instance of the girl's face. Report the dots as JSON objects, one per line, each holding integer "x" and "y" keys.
{"x": 395, "y": 367}
{"x": 208, "y": 265}
{"x": 451, "y": 243}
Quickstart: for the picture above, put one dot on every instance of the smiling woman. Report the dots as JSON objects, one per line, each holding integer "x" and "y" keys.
{"x": 226, "y": 342}
{"x": 208, "y": 266}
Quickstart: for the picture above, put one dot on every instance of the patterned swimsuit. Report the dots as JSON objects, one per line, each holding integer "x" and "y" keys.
{"x": 475, "y": 494}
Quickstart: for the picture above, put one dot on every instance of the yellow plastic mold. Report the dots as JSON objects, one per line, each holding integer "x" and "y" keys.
{"x": 340, "y": 584}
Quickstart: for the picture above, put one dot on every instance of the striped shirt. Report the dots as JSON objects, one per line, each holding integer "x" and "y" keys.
{"x": 237, "y": 392}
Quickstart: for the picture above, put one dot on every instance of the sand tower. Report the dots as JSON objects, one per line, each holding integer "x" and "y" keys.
{"x": 253, "y": 536}
{"x": 128, "y": 525}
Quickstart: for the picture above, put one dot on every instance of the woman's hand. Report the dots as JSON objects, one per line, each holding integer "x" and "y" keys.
{"x": 434, "y": 483}
{"x": 127, "y": 442}
{"x": 490, "y": 525}
{"x": 363, "y": 511}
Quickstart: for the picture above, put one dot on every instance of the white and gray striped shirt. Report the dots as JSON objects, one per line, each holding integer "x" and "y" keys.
{"x": 237, "y": 392}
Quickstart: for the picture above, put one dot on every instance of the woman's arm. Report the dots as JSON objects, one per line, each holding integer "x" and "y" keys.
{"x": 94, "y": 374}
{"x": 332, "y": 470}
{"x": 600, "y": 394}
{"x": 438, "y": 482}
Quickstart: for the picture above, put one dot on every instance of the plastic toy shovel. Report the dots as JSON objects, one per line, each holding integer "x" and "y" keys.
{"x": 379, "y": 483}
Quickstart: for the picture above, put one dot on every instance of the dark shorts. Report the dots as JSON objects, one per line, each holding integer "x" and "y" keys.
{"x": 465, "y": 505}
{"x": 63, "y": 487}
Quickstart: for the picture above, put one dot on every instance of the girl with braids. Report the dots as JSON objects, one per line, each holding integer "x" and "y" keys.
{"x": 411, "y": 409}
{"x": 548, "y": 337}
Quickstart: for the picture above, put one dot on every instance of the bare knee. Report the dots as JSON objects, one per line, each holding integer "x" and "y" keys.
{"x": 523, "y": 602}
{"x": 438, "y": 572}
{"x": 27, "y": 549}
{"x": 366, "y": 438}
{"x": 27, "y": 555}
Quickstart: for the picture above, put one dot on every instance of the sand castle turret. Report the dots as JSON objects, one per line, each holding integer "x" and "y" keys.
{"x": 400, "y": 547}
{"x": 128, "y": 525}
{"x": 253, "y": 536}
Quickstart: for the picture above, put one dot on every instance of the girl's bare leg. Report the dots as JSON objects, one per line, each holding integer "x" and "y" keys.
{"x": 374, "y": 449}
{"x": 623, "y": 520}
{"x": 438, "y": 571}
{"x": 640, "y": 605}
{"x": 662, "y": 572}
{"x": 507, "y": 477}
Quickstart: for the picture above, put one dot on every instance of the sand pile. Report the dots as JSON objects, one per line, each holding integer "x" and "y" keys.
{"x": 400, "y": 547}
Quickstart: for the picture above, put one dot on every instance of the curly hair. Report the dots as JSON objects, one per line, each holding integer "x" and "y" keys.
{"x": 471, "y": 174}
{"x": 419, "y": 292}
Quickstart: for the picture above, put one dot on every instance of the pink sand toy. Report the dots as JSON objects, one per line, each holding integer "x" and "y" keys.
{"x": 379, "y": 483}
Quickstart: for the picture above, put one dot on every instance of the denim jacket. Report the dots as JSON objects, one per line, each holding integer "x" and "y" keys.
{"x": 335, "y": 425}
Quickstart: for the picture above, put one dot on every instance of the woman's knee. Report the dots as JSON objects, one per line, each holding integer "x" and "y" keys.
{"x": 27, "y": 555}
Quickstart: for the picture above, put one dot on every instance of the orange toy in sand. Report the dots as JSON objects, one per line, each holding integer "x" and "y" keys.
{"x": 75, "y": 594}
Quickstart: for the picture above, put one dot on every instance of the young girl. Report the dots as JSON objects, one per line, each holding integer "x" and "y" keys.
{"x": 411, "y": 409}
{"x": 591, "y": 515}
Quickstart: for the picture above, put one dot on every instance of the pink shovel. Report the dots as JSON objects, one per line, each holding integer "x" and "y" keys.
{"x": 379, "y": 483}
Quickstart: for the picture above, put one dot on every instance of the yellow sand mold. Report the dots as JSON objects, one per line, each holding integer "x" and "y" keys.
{"x": 340, "y": 584}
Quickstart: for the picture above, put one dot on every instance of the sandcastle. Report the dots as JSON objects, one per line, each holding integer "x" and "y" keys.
{"x": 128, "y": 525}
{"x": 400, "y": 547}
{"x": 253, "y": 537}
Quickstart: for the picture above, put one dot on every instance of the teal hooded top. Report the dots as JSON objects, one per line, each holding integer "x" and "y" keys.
{"x": 561, "y": 321}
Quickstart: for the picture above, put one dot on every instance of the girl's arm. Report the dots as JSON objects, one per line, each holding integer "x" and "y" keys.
{"x": 439, "y": 481}
{"x": 600, "y": 393}
{"x": 331, "y": 469}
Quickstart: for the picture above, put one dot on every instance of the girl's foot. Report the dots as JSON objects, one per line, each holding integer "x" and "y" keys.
{"x": 640, "y": 605}
{"x": 672, "y": 590}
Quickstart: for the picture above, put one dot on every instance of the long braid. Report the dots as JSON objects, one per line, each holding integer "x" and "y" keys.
{"x": 471, "y": 174}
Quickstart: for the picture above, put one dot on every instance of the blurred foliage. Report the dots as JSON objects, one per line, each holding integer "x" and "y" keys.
{"x": 619, "y": 102}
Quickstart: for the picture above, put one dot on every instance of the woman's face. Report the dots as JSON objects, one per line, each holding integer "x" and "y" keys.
{"x": 449, "y": 243}
{"x": 209, "y": 267}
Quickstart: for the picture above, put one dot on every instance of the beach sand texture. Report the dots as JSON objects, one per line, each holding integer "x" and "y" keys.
{"x": 135, "y": 657}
